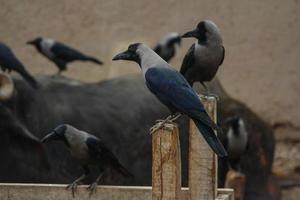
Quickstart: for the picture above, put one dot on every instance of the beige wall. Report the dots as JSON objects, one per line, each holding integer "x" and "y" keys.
{"x": 261, "y": 38}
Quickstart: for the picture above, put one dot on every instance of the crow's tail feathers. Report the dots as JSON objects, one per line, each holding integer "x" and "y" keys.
{"x": 29, "y": 78}
{"x": 123, "y": 171}
{"x": 95, "y": 60}
{"x": 207, "y": 127}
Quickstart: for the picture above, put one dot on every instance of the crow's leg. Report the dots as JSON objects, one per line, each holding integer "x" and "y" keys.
{"x": 175, "y": 117}
{"x": 73, "y": 186}
{"x": 207, "y": 92}
{"x": 160, "y": 123}
{"x": 93, "y": 186}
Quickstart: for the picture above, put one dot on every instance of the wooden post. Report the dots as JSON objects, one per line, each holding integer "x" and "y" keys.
{"x": 166, "y": 164}
{"x": 202, "y": 160}
{"x": 237, "y": 181}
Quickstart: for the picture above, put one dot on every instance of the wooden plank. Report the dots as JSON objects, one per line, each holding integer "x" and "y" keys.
{"x": 202, "y": 161}
{"x": 226, "y": 191}
{"x": 14, "y": 191}
{"x": 59, "y": 192}
{"x": 166, "y": 163}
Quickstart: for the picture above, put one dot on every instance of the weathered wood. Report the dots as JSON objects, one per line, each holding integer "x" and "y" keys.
{"x": 237, "y": 181}
{"x": 59, "y": 192}
{"x": 166, "y": 163}
{"x": 227, "y": 192}
{"x": 202, "y": 161}
{"x": 13, "y": 191}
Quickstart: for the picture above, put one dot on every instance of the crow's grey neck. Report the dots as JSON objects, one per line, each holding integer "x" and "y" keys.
{"x": 75, "y": 137}
{"x": 46, "y": 45}
{"x": 149, "y": 59}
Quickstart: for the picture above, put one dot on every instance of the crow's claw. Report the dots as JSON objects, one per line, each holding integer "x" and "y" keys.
{"x": 73, "y": 187}
{"x": 92, "y": 188}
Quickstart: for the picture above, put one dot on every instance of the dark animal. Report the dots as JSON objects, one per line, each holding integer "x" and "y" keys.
{"x": 171, "y": 88}
{"x": 88, "y": 150}
{"x": 60, "y": 53}
{"x": 204, "y": 57}
{"x": 9, "y": 62}
{"x": 166, "y": 47}
{"x": 124, "y": 128}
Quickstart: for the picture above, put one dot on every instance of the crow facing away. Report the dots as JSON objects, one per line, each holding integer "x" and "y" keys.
{"x": 166, "y": 47}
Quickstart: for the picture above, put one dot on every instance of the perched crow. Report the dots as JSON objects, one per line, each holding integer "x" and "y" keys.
{"x": 236, "y": 140}
{"x": 166, "y": 47}
{"x": 172, "y": 89}
{"x": 204, "y": 57}
{"x": 60, "y": 53}
{"x": 8, "y": 61}
{"x": 88, "y": 150}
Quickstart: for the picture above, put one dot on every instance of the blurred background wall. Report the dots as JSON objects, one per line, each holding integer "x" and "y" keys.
{"x": 262, "y": 41}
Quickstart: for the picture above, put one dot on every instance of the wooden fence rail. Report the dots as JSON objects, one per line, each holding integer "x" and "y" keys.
{"x": 14, "y": 191}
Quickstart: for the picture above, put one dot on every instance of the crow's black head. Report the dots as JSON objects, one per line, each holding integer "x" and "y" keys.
{"x": 129, "y": 54}
{"x": 199, "y": 32}
{"x": 57, "y": 134}
{"x": 36, "y": 42}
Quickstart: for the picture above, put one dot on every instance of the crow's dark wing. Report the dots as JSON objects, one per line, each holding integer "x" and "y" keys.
{"x": 170, "y": 86}
{"x": 223, "y": 57}
{"x": 188, "y": 60}
{"x": 98, "y": 150}
{"x": 8, "y": 59}
{"x": 66, "y": 53}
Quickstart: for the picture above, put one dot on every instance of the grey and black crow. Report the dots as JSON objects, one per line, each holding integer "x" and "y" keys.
{"x": 204, "y": 57}
{"x": 172, "y": 89}
{"x": 9, "y": 62}
{"x": 60, "y": 53}
{"x": 88, "y": 150}
{"x": 166, "y": 47}
{"x": 236, "y": 140}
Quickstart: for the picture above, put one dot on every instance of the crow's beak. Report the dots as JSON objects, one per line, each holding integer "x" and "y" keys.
{"x": 126, "y": 55}
{"x": 193, "y": 33}
{"x": 30, "y": 42}
{"x": 49, "y": 137}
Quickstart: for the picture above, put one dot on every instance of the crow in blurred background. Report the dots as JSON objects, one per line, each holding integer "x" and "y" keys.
{"x": 204, "y": 57}
{"x": 171, "y": 88}
{"x": 9, "y": 62}
{"x": 60, "y": 53}
{"x": 236, "y": 141}
{"x": 166, "y": 47}
{"x": 88, "y": 150}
